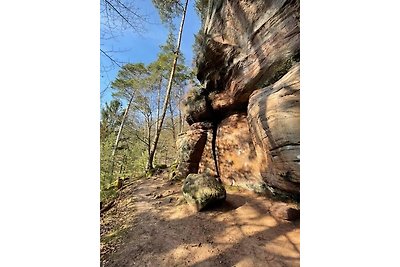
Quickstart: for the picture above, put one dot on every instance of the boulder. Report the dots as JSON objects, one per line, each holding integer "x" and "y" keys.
{"x": 203, "y": 190}
{"x": 190, "y": 148}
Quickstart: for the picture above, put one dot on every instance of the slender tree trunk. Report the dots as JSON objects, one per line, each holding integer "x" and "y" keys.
{"x": 147, "y": 132}
{"x": 119, "y": 134}
{"x": 148, "y": 137}
{"x": 181, "y": 119}
{"x": 158, "y": 103}
{"x": 172, "y": 122}
{"x": 167, "y": 94}
{"x": 180, "y": 116}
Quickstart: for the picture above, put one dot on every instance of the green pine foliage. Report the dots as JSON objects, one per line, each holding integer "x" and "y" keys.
{"x": 168, "y": 9}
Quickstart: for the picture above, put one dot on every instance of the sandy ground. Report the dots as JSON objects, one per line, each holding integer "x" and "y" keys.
{"x": 151, "y": 225}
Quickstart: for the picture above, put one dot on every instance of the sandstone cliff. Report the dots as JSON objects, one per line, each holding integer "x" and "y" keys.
{"x": 245, "y": 119}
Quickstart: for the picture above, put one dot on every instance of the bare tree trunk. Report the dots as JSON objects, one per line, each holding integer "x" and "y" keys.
{"x": 148, "y": 137}
{"x": 119, "y": 134}
{"x": 158, "y": 103}
{"x": 179, "y": 97}
{"x": 172, "y": 122}
{"x": 167, "y": 94}
{"x": 181, "y": 122}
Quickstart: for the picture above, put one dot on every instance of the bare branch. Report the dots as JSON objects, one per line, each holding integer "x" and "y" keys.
{"x": 134, "y": 13}
{"x": 116, "y": 63}
{"x": 141, "y": 139}
{"x": 122, "y": 16}
{"x": 105, "y": 89}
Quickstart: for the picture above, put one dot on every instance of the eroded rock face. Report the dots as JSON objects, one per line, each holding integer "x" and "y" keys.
{"x": 202, "y": 190}
{"x": 207, "y": 163}
{"x": 248, "y": 65}
{"x": 246, "y": 44}
{"x": 195, "y": 107}
{"x": 190, "y": 148}
{"x": 237, "y": 160}
{"x": 274, "y": 119}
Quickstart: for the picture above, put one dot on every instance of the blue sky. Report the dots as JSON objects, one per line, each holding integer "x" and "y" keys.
{"x": 144, "y": 47}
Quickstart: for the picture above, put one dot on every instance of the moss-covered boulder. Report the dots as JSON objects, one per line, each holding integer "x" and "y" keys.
{"x": 202, "y": 190}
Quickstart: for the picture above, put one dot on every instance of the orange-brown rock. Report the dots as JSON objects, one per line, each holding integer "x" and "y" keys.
{"x": 248, "y": 65}
{"x": 235, "y": 157}
{"x": 237, "y": 160}
{"x": 190, "y": 148}
{"x": 274, "y": 119}
{"x": 246, "y": 44}
{"x": 207, "y": 163}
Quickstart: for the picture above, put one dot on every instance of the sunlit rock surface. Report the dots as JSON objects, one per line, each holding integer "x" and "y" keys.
{"x": 246, "y": 45}
{"x": 190, "y": 148}
{"x": 237, "y": 160}
{"x": 248, "y": 65}
{"x": 274, "y": 118}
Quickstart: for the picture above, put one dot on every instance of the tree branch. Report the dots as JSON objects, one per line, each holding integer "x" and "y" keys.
{"x": 122, "y": 16}
{"x": 134, "y": 13}
{"x": 113, "y": 60}
{"x": 142, "y": 140}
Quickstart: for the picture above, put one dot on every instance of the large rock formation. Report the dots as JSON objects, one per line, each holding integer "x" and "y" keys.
{"x": 274, "y": 119}
{"x": 248, "y": 65}
{"x": 246, "y": 44}
{"x": 202, "y": 190}
{"x": 190, "y": 148}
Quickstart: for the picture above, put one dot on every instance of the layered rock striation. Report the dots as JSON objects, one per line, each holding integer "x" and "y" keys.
{"x": 248, "y": 65}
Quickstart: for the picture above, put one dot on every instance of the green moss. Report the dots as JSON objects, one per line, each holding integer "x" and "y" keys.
{"x": 278, "y": 70}
{"x": 296, "y": 56}
{"x": 232, "y": 188}
{"x": 202, "y": 190}
{"x": 160, "y": 166}
{"x": 260, "y": 188}
{"x": 173, "y": 170}
{"x": 108, "y": 194}
{"x": 174, "y": 165}
{"x": 280, "y": 195}
{"x": 195, "y": 100}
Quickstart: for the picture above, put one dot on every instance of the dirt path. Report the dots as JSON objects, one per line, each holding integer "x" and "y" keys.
{"x": 145, "y": 228}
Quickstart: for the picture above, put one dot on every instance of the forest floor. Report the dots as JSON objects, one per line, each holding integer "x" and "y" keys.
{"x": 151, "y": 225}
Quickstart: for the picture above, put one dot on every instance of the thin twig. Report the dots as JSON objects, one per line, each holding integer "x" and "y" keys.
{"x": 113, "y": 60}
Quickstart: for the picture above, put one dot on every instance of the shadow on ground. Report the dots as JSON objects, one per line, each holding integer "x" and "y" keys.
{"x": 166, "y": 232}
